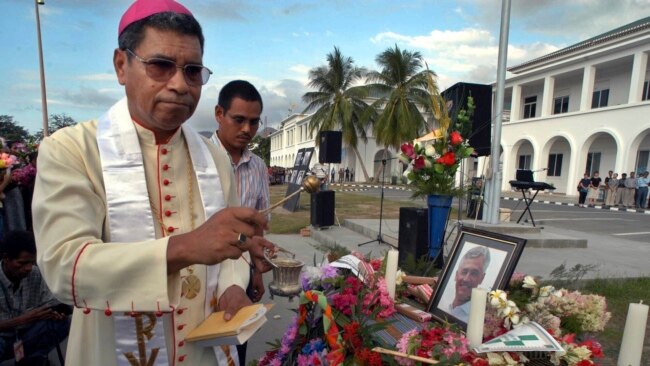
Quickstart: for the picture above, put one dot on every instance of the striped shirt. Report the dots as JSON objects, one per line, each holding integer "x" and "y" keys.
{"x": 32, "y": 293}
{"x": 252, "y": 178}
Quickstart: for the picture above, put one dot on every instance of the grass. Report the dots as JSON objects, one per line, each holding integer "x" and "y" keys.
{"x": 619, "y": 292}
{"x": 349, "y": 205}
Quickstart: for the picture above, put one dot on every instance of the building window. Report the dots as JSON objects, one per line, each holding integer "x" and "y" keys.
{"x": 593, "y": 163}
{"x": 530, "y": 104}
{"x": 554, "y": 165}
{"x": 642, "y": 161}
{"x": 524, "y": 162}
{"x": 600, "y": 98}
{"x": 646, "y": 90}
{"x": 561, "y": 105}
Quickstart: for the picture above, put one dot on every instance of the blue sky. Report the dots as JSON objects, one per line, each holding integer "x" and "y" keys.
{"x": 273, "y": 44}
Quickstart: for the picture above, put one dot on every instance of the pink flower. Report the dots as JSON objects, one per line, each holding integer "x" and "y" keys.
{"x": 419, "y": 163}
{"x": 408, "y": 150}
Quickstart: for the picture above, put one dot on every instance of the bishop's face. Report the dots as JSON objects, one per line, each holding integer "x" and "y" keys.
{"x": 157, "y": 104}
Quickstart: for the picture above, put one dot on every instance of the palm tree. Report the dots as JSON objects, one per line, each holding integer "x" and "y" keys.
{"x": 401, "y": 88}
{"x": 338, "y": 104}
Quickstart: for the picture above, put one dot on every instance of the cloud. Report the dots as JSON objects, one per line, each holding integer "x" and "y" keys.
{"x": 86, "y": 98}
{"x": 570, "y": 20}
{"x": 98, "y": 77}
{"x": 465, "y": 54}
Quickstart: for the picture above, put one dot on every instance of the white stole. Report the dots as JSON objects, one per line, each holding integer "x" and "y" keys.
{"x": 129, "y": 211}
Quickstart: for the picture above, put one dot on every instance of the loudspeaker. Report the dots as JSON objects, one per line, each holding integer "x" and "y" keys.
{"x": 413, "y": 233}
{"x": 322, "y": 208}
{"x": 330, "y": 147}
{"x": 456, "y": 96}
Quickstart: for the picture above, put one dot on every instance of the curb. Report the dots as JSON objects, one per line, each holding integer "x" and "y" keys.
{"x": 558, "y": 203}
{"x": 599, "y": 207}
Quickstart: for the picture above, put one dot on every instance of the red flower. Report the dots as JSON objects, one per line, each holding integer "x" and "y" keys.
{"x": 448, "y": 159}
{"x": 418, "y": 164}
{"x": 407, "y": 149}
{"x": 351, "y": 335}
{"x": 455, "y": 138}
{"x": 480, "y": 362}
{"x": 594, "y": 347}
{"x": 584, "y": 363}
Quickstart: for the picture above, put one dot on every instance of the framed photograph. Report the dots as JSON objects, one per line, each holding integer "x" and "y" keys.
{"x": 478, "y": 258}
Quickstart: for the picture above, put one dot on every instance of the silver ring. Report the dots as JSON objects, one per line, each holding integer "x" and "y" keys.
{"x": 241, "y": 238}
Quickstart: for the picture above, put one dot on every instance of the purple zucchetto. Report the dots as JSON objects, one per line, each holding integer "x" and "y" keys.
{"x": 141, "y": 9}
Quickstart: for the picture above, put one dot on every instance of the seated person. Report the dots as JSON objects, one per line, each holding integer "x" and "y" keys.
{"x": 29, "y": 313}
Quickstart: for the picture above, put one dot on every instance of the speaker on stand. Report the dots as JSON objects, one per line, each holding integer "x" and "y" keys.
{"x": 322, "y": 209}
{"x": 413, "y": 233}
{"x": 330, "y": 147}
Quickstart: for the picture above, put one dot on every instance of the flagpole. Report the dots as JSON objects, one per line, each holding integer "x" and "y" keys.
{"x": 42, "y": 68}
{"x": 492, "y": 216}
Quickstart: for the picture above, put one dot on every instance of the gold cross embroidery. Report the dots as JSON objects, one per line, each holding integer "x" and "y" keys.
{"x": 143, "y": 331}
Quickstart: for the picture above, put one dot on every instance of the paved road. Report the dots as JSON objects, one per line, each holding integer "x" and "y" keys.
{"x": 615, "y": 224}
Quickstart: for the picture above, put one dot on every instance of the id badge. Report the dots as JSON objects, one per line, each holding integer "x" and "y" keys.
{"x": 19, "y": 351}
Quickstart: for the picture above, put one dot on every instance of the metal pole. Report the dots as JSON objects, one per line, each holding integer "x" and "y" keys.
{"x": 40, "y": 61}
{"x": 495, "y": 197}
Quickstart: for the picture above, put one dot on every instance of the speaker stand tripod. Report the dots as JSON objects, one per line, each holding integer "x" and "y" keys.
{"x": 380, "y": 238}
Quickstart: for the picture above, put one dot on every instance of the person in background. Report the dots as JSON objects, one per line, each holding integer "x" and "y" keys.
{"x": 332, "y": 174}
{"x": 341, "y": 175}
{"x": 611, "y": 188}
{"x": 630, "y": 190}
{"x": 238, "y": 114}
{"x": 620, "y": 191}
{"x": 583, "y": 188}
{"x": 642, "y": 190}
{"x": 136, "y": 215}
{"x": 606, "y": 191}
{"x": 29, "y": 313}
{"x": 594, "y": 189}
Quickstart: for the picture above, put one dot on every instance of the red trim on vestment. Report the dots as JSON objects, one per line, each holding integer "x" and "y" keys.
{"x": 74, "y": 272}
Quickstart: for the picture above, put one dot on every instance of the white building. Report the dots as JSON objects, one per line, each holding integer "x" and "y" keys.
{"x": 293, "y": 135}
{"x": 580, "y": 109}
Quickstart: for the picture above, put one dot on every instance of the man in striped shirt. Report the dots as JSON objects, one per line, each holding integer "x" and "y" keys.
{"x": 238, "y": 114}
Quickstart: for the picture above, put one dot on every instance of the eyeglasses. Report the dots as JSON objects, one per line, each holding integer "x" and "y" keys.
{"x": 161, "y": 69}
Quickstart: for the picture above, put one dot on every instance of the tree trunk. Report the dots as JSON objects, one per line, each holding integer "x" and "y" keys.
{"x": 381, "y": 167}
{"x": 363, "y": 167}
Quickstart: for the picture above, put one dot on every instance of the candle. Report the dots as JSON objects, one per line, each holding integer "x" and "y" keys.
{"x": 476, "y": 320}
{"x": 391, "y": 272}
{"x": 633, "y": 335}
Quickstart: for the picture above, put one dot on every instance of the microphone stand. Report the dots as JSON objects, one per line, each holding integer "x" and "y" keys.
{"x": 380, "y": 239}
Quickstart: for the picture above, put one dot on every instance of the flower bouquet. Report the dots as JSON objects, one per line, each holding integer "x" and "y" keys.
{"x": 432, "y": 165}
{"x": 569, "y": 316}
{"x": 336, "y": 319}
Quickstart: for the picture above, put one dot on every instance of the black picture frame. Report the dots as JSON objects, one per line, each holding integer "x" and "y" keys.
{"x": 505, "y": 252}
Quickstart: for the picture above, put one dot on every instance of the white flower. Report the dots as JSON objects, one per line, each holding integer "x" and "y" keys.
{"x": 546, "y": 291}
{"x": 529, "y": 282}
{"x": 429, "y": 150}
{"x": 498, "y": 298}
{"x": 399, "y": 277}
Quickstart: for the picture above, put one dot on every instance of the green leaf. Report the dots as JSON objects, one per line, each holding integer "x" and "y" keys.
{"x": 439, "y": 168}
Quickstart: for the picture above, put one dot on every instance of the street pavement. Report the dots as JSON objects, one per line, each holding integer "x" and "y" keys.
{"x": 613, "y": 256}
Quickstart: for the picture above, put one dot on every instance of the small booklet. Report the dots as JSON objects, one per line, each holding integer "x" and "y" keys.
{"x": 526, "y": 337}
{"x": 215, "y": 331}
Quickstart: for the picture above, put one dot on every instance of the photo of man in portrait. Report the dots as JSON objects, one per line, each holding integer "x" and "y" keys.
{"x": 469, "y": 273}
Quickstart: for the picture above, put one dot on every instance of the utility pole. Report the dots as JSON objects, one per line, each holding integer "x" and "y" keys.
{"x": 40, "y": 61}
{"x": 494, "y": 197}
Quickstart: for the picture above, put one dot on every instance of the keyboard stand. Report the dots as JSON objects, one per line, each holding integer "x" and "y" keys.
{"x": 528, "y": 201}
